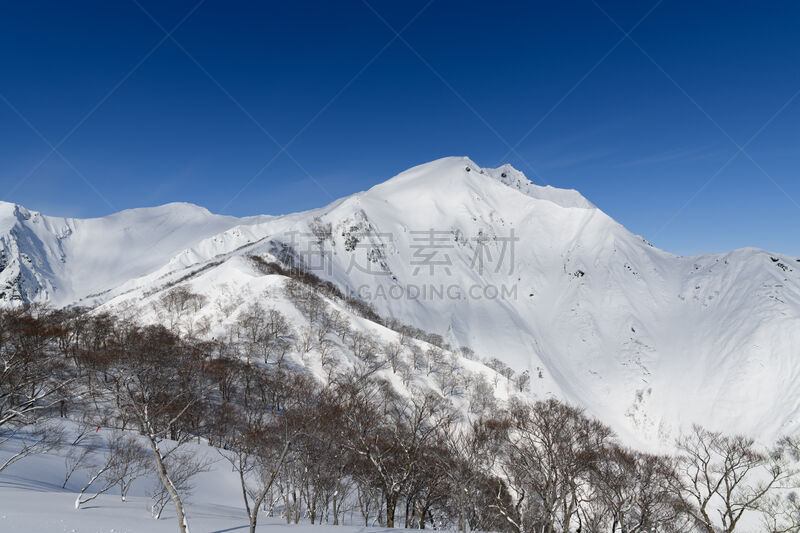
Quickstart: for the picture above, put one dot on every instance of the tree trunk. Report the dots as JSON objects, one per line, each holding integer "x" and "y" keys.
{"x": 391, "y": 504}
{"x": 335, "y": 509}
{"x": 161, "y": 469}
{"x": 264, "y": 490}
{"x": 79, "y": 501}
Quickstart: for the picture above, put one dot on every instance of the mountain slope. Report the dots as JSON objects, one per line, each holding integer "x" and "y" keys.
{"x": 65, "y": 260}
{"x": 535, "y": 276}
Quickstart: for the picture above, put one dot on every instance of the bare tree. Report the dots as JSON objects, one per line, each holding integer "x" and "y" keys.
{"x": 447, "y": 375}
{"x": 177, "y": 305}
{"x": 721, "y": 477}
{"x": 407, "y": 372}
{"x": 36, "y": 439}
{"x": 481, "y": 395}
{"x": 417, "y": 356}
{"x": 523, "y": 381}
{"x": 434, "y": 356}
{"x": 99, "y": 474}
{"x": 500, "y": 367}
{"x": 388, "y": 434}
{"x": 327, "y": 357}
{"x": 334, "y": 321}
{"x": 781, "y": 512}
{"x": 269, "y": 417}
{"x": 311, "y": 304}
{"x": 631, "y": 492}
{"x": 466, "y": 461}
{"x": 251, "y": 324}
{"x": 363, "y": 346}
{"x": 305, "y": 339}
{"x": 274, "y": 342}
{"x": 467, "y": 353}
{"x": 546, "y": 456}
{"x": 393, "y": 352}
{"x": 33, "y": 381}
{"x": 77, "y": 457}
{"x": 130, "y": 462}
{"x": 124, "y": 460}
{"x": 781, "y": 509}
{"x": 183, "y": 466}
{"x": 159, "y": 381}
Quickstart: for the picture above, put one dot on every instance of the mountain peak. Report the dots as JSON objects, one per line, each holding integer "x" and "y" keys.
{"x": 8, "y": 209}
{"x": 596, "y": 315}
{"x": 441, "y": 176}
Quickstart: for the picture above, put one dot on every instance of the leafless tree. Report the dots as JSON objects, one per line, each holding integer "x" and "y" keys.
{"x": 124, "y": 460}
{"x": 467, "y": 353}
{"x": 500, "y": 367}
{"x": 311, "y": 304}
{"x": 305, "y": 339}
{"x": 99, "y": 474}
{"x": 130, "y": 462}
{"x": 631, "y": 492}
{"x": 363, "y": 346}
{"x": 251, "y": 325}
{"x": 327, "y": 357}
{"x": 183, "y": 466}
{"x": 523, "y": 381}
{"x": 481, "y": 395}
{"x": 387, "y": 435}
{"x": 417, "y": 356}
{"x": 178, "y": 304}
{"x": 34, "y": 381}
{"x": 448, "y": 375}
{"x": 339, "y": 323}
{"x": 393, "y": 352}
{"x": 77, "y": 457}
{"x": 36, "y": 439}
{"x": 466, "y": 460}
{"x": 781, "y": 512}
{"x": 547, "y": 453}
{"x": 268, "y": 418}
{"x": 434, "y": 356}
{"x": 781, "y": 509}
{"x": 720, "y": 477}
{"x": 407, "y": 373}
{"x": 160, "y": 386}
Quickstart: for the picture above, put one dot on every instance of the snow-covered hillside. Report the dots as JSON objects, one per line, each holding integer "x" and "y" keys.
{"x": 535, "y": 276}
{"x": 66, "y": 260}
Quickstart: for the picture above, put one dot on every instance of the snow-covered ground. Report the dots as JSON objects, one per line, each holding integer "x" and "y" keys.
{"x": 32, "y": 501}
{"x": 645, "y": 340}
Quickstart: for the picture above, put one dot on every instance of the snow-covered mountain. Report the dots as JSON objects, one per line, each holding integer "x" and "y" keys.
{"x": 65, "y": 260}
{"x": 537, "y": 277}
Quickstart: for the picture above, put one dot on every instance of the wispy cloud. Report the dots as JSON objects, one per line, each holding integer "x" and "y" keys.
{"x": 571, "y": 150}
{"x": 676, "y": 154}
{"x": 572, "y": 159}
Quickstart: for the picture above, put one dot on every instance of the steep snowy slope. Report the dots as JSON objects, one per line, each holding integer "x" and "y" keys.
{"x": 65, "y": 260}
{"x": 539, "y": 278}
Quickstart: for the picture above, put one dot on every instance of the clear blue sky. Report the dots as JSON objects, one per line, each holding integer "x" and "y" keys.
{"x": 643, "y": 127}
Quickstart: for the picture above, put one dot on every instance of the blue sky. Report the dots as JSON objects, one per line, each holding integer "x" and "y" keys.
{"x": 686, "y": 131}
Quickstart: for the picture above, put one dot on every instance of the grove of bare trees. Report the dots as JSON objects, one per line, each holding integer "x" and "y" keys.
{"x": 446, "y": 456}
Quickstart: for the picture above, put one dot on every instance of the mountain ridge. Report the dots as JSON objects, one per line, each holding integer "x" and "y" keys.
{"x": 637, "y": 335}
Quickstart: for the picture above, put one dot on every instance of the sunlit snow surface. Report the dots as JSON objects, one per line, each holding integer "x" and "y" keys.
{"x": 41, "y": 507}
{"x": 645, "y": 340}
{"x": 32, "y": 501}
